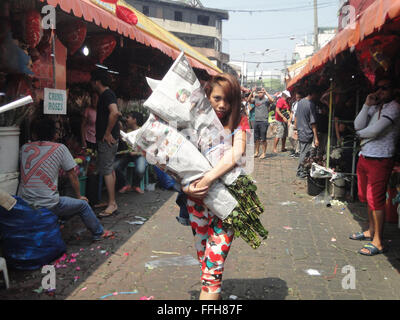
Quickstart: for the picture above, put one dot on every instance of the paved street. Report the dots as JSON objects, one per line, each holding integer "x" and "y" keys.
{"x": 302, "y": 236}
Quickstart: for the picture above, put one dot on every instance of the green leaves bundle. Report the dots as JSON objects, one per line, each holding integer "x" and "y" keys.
{"x": 244, "y": 219}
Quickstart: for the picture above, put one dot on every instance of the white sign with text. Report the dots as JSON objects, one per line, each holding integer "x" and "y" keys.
{"x": 55, "y": 101}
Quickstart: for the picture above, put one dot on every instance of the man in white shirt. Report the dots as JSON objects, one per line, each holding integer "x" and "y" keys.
{"x": 41, "y": 161}
{"x": 292, "y": 130}
{"x": 378, "y": 126}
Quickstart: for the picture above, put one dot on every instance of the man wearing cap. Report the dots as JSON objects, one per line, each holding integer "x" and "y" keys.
{"x": 282, "y": 114}
{"x": 261, "y": 102}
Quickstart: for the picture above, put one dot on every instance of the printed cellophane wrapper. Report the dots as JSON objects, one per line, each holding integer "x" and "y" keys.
{"x": 166, "y": 148}
{"x": 180, "y": 100}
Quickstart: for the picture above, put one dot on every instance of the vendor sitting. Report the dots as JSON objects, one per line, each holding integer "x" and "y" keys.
{"x": 134, "y": 121}
{"x": 41, "y": 162}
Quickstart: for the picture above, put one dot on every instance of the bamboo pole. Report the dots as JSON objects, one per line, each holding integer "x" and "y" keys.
{"x": 328, "y": 142}
{"x": 353, "y": 166}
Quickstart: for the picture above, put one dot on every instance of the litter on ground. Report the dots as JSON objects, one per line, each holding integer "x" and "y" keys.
{"x": 117, "y": 293}
{"x": 288, "y": 203}
{"x": 313, "y": 272}
{"x": 175, "y": 261}
{"x": 165, "y": 252}
{"x": 135, "y": 222}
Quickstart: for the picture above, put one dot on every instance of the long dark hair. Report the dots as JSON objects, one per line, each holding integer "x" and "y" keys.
{"x": 231, "y": 87}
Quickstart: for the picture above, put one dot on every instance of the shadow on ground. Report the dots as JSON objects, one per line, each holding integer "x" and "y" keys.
{"x": 91, "y": 255}
{"x": 251, "y": 289}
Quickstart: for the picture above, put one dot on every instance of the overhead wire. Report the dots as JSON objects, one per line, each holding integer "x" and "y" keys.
{"x": 298, "y": 8}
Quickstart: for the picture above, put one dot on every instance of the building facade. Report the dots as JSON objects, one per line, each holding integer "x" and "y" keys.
{"x": 190, "y": 21}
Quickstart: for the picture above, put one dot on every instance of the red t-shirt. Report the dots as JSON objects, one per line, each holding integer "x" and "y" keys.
{"x": 282, "y": 105}
{"x": 244, "y": 124}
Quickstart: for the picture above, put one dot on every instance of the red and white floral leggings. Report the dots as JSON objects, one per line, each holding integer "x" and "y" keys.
{"x": 212, "y": 243}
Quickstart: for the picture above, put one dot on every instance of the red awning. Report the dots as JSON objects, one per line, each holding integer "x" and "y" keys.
{"x": 372, "y": 19}
{"x": 92, "y": 13}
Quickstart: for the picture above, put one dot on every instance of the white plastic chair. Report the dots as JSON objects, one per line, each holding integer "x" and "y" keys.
{"x": 3, "y": 267}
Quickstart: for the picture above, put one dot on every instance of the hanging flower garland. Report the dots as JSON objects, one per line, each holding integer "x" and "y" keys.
{"x": 33, "y": 28}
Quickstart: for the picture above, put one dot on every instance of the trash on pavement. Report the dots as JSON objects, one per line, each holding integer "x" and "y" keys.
{"x": 151, "y": 187}
{"x": 175, "y": 261}
{"x": 147, "y": 298}
{"x": 287, "y": 228}
{"x": 165, "y": 252}
{"x": 313, "y": 272}
{"x": 38, "y": 290}
{"x": 288, "y": 203}
{"x": 140, "y": 218}
{"x": 233, "y": 297}
{"x": 117, "y": 293}
{"x": 338, "y": 203}
{"x": 135, "y": 222}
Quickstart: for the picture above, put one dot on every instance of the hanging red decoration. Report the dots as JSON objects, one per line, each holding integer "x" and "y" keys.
{"x": 33, "y": 29}
{"x": 377, "y": 54}
{"x": 72, "y": 35}
{"x": 126, "y": 15}
{"x": 101, "y": 46}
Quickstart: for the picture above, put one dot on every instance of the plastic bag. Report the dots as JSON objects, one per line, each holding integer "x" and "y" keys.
{"x": 31, "y": 238}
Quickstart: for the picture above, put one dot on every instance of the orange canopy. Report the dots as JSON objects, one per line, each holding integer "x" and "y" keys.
{"x": 372, "y": 19}
{"x": 145, "y": 31}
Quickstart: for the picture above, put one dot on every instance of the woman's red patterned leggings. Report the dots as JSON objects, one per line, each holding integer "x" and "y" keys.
{"x": 212, "y": 243}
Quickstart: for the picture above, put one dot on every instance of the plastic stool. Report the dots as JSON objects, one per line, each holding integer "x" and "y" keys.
{"x": 145, "y": 180}
{"x": 3, "y": 267}
{"x": 146, "y": 176}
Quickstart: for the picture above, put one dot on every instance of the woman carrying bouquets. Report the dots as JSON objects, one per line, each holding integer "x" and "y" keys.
{"x": 222, "y": 200}
{"x": 212, "y": 239}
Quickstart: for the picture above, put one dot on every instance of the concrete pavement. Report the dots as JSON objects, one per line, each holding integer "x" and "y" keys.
{"x": 303, "y": 235}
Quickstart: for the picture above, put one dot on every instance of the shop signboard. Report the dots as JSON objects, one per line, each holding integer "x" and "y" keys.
{"x": 55, "y": 101}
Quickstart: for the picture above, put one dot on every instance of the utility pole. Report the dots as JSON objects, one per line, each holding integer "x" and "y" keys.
{"x": 286, "y": 70}
{"x": 316, "y": 46}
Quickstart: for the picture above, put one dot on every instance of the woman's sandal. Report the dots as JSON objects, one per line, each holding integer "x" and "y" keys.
{"x": 107, "y": 234}
{"x": 372, "y": 250}
{"x": 105, "y": 213}
{"x": 138, "y": 190}
{"x": 125, "y": 189}
{"x": 359, "y": 236}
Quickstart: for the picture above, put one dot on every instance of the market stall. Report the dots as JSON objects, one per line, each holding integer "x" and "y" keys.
{"x": 50, "y": 47}
{"x": 346, "y": 69}
{"x": 48, "y": 50}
